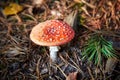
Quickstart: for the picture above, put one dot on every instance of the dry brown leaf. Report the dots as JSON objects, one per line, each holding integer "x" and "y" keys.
{"x": 72, "y": 76}
{"x": 110, "y": 65}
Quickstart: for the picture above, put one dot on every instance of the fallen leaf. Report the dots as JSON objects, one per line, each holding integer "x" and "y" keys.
{"x": 12, "y": 9}
{"x": 110, "y": 65}
{"x": 72, "y": 76}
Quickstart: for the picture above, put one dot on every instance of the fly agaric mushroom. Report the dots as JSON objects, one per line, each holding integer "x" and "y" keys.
{"x": 52, "y": 33}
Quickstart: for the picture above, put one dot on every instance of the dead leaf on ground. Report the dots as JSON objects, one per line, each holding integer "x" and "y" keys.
{"x": 12, "y": 9}
{"x": 72, "y": 76}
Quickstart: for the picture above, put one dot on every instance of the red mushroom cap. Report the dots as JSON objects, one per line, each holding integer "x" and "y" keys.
{"x": 52, "y": 33}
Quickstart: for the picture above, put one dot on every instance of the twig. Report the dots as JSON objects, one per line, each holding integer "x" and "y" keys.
{"x": 30, "y": 16}
{"x": 18, "y": 18}
{"x": 37, "y": 70}
{"x": 110, "y": 33}
{"x": 91, "y": 6}
{"x": 76, "y": 66}
{"x": 90, "y": 73}
{"x": 61, "y": 70}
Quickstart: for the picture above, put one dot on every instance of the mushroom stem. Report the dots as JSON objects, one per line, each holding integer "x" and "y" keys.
{"x": 53, "y": 52}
